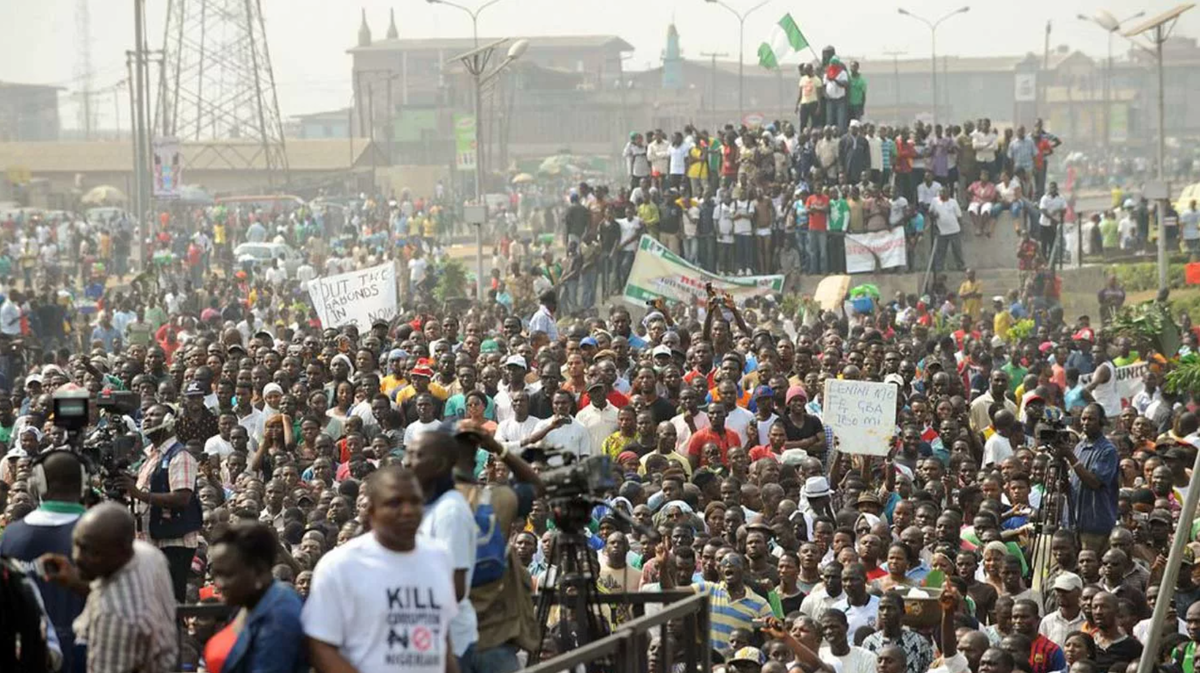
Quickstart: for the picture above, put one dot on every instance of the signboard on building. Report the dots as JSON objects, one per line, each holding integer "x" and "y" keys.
{"x": 465, "y": 152}
{"x": 1026, "y": 87}
{"x": 167, "y": 168}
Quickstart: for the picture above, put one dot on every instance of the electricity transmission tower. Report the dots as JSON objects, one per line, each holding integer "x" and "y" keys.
{"x": 217, "y": 86}
{"x": 83, "y": 67}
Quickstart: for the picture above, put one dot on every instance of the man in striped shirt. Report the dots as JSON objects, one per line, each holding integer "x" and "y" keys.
{"x": 128, "y": 622}
{"x": 731, "y": 604}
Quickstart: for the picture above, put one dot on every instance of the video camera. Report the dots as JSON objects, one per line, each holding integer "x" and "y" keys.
{"x": 573, "y": 487}
{"x": 107, "y": 448}
{"x": 1053, "y": 432}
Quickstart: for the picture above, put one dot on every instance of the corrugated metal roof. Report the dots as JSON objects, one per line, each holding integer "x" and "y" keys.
{"x": 325, "y": 154}
{"x": 466, "y": 43}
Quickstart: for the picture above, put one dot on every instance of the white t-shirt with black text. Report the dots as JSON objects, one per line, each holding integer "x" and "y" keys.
{"x": 383, "y": 610}
{"x": 449, "y": 522}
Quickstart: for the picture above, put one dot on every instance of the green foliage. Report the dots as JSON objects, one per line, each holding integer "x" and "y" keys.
{"x": 1185, "y": 376}
{"x": 1143, "y": 277}
{"x": 451, "y": 282}
{"x": 1148, "y": 322}
{"x": 1020, "y": 330}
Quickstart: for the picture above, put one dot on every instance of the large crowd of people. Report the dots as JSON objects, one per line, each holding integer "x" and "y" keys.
{"x": 371, "y": 497}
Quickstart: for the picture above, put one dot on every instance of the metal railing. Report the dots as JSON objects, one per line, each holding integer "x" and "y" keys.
{"x": 625, "y": 648}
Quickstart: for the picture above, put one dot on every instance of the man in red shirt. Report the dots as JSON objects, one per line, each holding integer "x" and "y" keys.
{"x": 818, "y": 226}
{"x": 716, "y": 433}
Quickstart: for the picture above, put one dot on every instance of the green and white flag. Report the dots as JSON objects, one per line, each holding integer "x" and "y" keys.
{"x": 785, "y": 39}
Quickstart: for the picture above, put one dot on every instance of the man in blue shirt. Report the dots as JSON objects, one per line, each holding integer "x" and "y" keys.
{"x": 1092, "y": 506}
{"x": 48, "y": 530}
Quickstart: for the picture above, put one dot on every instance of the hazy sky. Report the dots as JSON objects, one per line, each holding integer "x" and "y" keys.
{"x": 308, "y": 38}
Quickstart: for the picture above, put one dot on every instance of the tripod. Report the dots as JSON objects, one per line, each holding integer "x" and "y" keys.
{"x": 570, "y": 586}
{"x": 1049, "y": 516}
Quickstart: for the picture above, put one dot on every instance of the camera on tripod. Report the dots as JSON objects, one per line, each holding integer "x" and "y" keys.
{"x": 109, "y": 447}
{"x": 572, "y": 487}
{"x": 1053, "y": 432}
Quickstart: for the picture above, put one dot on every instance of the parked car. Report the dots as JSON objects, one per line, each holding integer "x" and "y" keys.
{"x": 259, "y": 256}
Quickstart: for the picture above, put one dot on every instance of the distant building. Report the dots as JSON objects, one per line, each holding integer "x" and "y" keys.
{"x": 328, "y": 124}
{"x": 28, "y": 112}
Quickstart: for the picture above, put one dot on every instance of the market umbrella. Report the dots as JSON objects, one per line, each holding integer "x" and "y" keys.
{"x": 103, "y": 195}
{"x": 522, "y": 178}
{"x": 195, "y": 196}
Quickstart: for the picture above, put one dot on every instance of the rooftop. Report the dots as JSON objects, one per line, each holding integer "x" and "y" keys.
{"x": 462, "y": 44}
{"x": 325, "y": 154}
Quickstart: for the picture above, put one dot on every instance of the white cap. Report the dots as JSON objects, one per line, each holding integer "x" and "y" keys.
{"x": 516, "y": 361}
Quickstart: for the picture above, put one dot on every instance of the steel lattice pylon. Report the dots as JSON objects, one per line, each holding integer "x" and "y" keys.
{"x": 217, "y": 86}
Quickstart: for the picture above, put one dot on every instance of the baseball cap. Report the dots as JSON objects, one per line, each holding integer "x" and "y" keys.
{"x": 515, "y": 361}
{"x": 748, "y": 654}
{"x": 33, "y": 378}
{"x": 1068, "y": 582}
{"x": 16, "y": 452}
{"x": 763, "y": 391}
{"x": 588, "y": 341}
{"x": 1084, "y": 334}
{"x": 194, "y": 389}
{"x": 661, "y": 349}
{"x": 395, "y": 354}
{"x": 997, "y": 341}
{"x": 1161, "y": 516}
{"x": 423, "y": 370}
{"x": 596, "y": 384}
{"x": 489, "y": 346}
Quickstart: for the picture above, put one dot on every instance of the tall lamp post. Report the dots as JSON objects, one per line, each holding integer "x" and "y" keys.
{"x": 476, "y": 64}
{"x": 473, "y": 13}
{"x": 741, "y": 17}
{"x": 1111, "y": 25}
{"x": 933, "y": 26}
{"x": 1158, "y": 30}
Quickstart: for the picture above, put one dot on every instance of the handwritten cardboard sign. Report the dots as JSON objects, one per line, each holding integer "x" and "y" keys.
{"x": 359, "y": 297}
{"x": 862, "y": 415}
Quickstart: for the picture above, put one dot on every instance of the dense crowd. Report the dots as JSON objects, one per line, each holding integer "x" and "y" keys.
{"x": 371, "y": 497}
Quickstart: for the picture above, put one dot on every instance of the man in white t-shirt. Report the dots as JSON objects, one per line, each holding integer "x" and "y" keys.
{"x": 998, "y": 446}
{"x": 378, "y": 603}
{"x": 836, "y": 649}
{"x": 450, "y": 522}
{"x": 947, "y": 215}
{"x": 1190, "y": 221}
{"x": 1053, "y": 207}
{"x": 418, "y": 266}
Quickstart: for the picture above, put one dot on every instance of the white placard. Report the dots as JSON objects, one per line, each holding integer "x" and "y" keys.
{"x": 359, "y": 297}
{"x": 862, "y": 415}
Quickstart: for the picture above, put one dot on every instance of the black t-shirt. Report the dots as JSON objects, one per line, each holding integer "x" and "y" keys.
{"x": 672, "y": 214}
{"x": 811, "y": 427}
{"x": 1121, "y": 652}
{"x": 610, "y": 235}
{"x": 578, "y": 218}
{"x": 662, "y": 410}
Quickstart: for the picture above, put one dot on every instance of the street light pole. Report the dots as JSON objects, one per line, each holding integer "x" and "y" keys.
{"x": 474, "y": 14}
{"x": 1110, "y": 25}
{"x": 933, "y": 26}
{"x": 476, "y": 62}
{"x": 741, "y": 17}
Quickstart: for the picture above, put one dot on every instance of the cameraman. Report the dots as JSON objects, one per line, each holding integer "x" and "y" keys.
{"x": 1093, "y": 465}
{"x": 166, "y": 483}
{"x": 503, "y": 607}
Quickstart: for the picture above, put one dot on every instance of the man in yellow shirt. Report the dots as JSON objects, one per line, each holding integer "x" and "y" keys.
{"x": 697, "y": 169}
{"x": 1003, "y": 320}
{"x": 971, "y": 293}
{"x": 395, "y": 378}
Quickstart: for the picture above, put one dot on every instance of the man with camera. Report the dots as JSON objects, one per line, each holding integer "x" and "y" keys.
{"x": 165, "y": 488}
{"x": 1093, "y": 465}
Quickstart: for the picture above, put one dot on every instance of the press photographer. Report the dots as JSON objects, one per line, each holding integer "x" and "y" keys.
{"x": 165, "y": 497}
{"x": 1093, "y": 463}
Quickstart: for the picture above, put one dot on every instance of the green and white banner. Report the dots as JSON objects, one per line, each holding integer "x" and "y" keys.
{"x": 659, "y": 273}
{"x": 786, "y": 38}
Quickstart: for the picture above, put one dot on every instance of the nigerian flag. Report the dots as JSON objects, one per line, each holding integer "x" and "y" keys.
{"x": 785, "y": 38}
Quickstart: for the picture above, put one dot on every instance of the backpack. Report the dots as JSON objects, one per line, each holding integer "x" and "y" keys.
{"x": 23, "y": 645}
{"x": 491, "y": 545}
